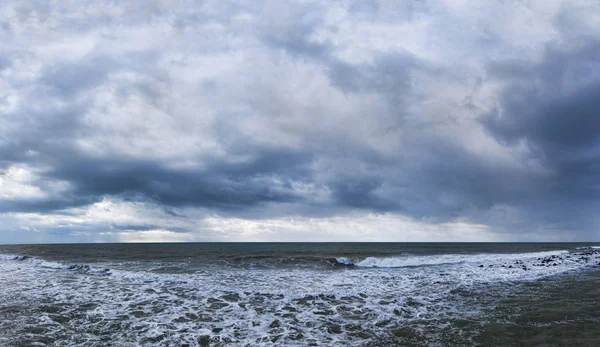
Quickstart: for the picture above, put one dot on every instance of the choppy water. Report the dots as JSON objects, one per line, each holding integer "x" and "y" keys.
{"x": 339, "y": 294}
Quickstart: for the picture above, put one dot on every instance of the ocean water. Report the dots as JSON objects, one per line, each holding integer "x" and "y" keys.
{"x": 300, "y": 294}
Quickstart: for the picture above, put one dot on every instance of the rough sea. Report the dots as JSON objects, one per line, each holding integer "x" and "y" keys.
{"x": 300, "y": 294}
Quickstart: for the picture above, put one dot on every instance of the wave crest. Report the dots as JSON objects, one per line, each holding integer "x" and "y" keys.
{"x": 54, "y": 265}
{"x": 442, "y": 259}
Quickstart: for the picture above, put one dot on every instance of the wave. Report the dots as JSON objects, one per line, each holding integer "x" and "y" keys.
{"x": 399, "y": 261}
{"x": 587, "y": 247}
{"x": 12, "y": 257}
{"x": 443, "y": 259}
{"x": 54, "y": 265}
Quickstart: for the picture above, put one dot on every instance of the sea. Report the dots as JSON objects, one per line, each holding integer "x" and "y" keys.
{"x": 300, "y": 294}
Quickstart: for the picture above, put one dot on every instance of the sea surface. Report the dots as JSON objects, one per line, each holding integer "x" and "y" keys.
{"x": 300, "y": 294}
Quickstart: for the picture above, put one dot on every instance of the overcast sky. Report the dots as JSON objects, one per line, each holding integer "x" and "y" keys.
{"x": 182, "y": 120}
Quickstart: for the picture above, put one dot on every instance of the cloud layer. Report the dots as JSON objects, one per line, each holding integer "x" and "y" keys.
{"x": 309, "y": 120}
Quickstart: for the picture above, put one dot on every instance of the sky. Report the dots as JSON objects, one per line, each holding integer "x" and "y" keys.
{"x": 180, "y": 120}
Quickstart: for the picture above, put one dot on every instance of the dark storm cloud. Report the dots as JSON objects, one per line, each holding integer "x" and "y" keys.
{"x": 553, "y": 108}
{"x": 220, "y": 185}
{"x": 35, "y": 132}
{"x": 224, "y": 185}
{"x": 360, "y": 193}
{"x": 47, "y": 205}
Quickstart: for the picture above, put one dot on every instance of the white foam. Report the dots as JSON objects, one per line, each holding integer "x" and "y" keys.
{"x": 344, "y": 260}
{"x": 53, "y": 265}
{"x": 8, "y": 256}
{"x": 587, "y": 247}
{"x": 48, "y": 264}
{"x": 406, "y": 261}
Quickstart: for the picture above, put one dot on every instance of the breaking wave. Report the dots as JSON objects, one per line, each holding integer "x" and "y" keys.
{"x": 444, "y": 259}
{"x": 55, "y": 265}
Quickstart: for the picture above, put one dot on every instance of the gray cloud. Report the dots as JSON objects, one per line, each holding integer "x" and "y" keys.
{"x": 552, "y": 108}
{"x": 316, "y": 110}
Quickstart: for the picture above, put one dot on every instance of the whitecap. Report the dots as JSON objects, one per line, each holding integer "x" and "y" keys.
{"x": 444, "y": 259}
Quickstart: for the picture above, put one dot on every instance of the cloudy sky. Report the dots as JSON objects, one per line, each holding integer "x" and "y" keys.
{"x": 181, "y": 120}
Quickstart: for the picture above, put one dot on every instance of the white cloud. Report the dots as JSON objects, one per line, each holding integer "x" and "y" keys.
{"x": 19, "y": 182}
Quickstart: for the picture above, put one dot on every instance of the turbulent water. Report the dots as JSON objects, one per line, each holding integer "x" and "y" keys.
{"x": 326, "y": 294}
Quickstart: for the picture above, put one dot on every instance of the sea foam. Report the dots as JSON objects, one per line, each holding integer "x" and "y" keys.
{"x": 443, "y": 259}
{"x": 348, "y": 305}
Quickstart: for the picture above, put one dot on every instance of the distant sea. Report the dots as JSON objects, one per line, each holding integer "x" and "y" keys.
{"x": 300, "y": 294}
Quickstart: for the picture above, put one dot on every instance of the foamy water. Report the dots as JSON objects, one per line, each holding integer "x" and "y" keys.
{"x": 350, "y": 301}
